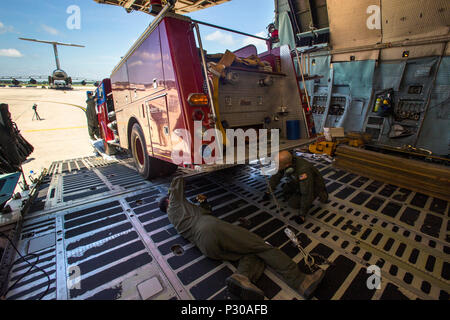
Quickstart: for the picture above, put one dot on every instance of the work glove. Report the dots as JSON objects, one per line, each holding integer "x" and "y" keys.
{"x": 202, "y": 198}
{"x": 299, "y": 219}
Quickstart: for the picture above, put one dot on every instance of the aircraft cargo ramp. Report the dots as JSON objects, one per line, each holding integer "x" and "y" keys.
{"x": 99, "y": 234}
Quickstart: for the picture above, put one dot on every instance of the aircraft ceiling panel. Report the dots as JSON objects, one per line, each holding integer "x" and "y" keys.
{"x": 181, "y": 6}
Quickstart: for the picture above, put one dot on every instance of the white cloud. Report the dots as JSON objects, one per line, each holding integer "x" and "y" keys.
{"x": 12, "y": 53}
{"x": 222, "y": 38}
{"x": 259, "y": 44}
{"x": 231, "y": 42}
{"x": 50, "y": 30}
{"x": 5, "y": 29}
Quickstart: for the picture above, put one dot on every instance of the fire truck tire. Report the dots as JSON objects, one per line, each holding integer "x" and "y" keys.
{"x": 139, "y": 151}
{"x": 148, "y": 167}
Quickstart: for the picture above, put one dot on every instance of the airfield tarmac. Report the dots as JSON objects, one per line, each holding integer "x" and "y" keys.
{"x": 61, "y": 134}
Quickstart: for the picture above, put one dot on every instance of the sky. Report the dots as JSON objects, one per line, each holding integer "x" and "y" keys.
{"x": 107, "y": 32}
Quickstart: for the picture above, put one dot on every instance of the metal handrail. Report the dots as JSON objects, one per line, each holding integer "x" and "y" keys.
{"x": 229, "y": 30}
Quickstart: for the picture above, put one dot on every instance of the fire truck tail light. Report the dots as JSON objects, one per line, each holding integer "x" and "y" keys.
{"x": 198, "y": 99}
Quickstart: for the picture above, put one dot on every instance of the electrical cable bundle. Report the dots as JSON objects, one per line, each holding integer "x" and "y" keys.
{"x": 32, "y": 266}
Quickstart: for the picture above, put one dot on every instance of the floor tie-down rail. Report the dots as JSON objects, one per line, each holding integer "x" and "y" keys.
{"x": 99, "y": 234}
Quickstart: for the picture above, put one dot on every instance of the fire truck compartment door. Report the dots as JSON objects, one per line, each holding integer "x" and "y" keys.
{"x": 159, "y": 127}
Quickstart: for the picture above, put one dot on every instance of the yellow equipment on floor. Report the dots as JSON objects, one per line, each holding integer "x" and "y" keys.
{"x": 323, "y": 147}
{"x": 353, "y": 139}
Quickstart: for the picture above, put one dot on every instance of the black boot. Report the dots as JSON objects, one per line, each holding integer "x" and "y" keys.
{"x": 311, "y": 282}
{"x": 240, "y": 286}
{"x": 323, "y": 196}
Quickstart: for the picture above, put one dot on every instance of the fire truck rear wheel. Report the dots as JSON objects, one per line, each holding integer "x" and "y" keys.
{"x": 148, "y": 167}
{"x": 139, "y": 151}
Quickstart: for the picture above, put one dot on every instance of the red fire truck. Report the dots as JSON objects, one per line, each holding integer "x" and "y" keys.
{"x": 106, "y": 115}
{"x": 167, "y": 81}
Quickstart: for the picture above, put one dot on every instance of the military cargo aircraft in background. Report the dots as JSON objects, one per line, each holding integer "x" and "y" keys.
{"x": 59, "y": 79}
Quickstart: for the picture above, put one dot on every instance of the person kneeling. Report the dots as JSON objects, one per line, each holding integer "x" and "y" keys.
{"x": 220, "y": 240}
{"x": 304, "y": 184}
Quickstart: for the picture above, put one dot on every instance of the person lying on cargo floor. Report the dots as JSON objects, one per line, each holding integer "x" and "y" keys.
{"x": 220, "y": 240}
{"x": 305, "y": 183}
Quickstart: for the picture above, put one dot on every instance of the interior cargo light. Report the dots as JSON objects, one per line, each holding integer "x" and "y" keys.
{"x": 198, "y": 99}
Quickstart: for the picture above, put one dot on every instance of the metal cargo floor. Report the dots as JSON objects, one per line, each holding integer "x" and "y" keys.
{"x": 99, "y": 220}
